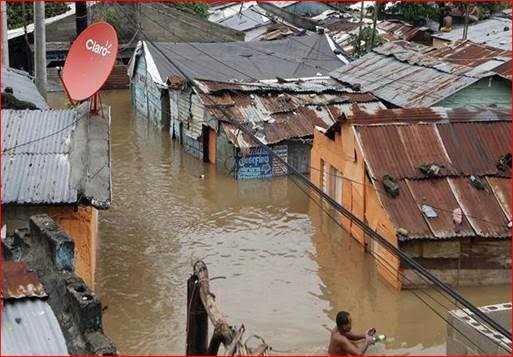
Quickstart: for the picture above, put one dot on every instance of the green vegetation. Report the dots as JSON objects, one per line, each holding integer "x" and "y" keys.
{"x": 419, "y": 12}
{"x": 15, "y": 11}
{"x": 364, "y": 44}
{"x": 200, "y": 9}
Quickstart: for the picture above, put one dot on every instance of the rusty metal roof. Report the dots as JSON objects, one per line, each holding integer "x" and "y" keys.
{"x": 280, "y": 111}
{"x": 461, "y": 150}
{"x": 20, "y": 282}
{"x": 399, "y": 30}
{"x": 478, "y": 56}
{"x": 406, "y": 75}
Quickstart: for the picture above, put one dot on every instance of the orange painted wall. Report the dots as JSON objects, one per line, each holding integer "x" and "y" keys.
{"x": 361, "y": 199}
{"x": 82, "y": 227}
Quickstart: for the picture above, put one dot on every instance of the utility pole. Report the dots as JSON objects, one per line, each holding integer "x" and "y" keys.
{"x": 80, "y": 16}
{"x": 5, "y": 40}
{"x": 360, "y": 27}
{"x": 465, "y": 29}
{"x": 374, "y": 24}
{"x": 40, "y": 46}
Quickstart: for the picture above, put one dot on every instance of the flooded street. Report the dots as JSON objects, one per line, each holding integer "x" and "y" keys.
{"x": 286, "y": 268}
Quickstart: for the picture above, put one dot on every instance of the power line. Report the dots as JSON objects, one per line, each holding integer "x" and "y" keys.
{"x": 366, "y": 229}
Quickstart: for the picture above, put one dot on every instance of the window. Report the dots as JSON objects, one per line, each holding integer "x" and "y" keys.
{"x": 338, "y": 189}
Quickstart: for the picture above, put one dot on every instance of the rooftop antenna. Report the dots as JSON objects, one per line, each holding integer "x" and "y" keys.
{"x": 89, "y": 63}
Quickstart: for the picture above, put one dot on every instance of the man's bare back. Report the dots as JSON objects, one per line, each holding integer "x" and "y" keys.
{"x": 341, "y": 345}
{"x": 343, "y": 341}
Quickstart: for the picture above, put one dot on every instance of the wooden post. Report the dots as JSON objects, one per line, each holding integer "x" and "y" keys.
{"x": 197, "y": 320}
{"x": 214, "y": 313}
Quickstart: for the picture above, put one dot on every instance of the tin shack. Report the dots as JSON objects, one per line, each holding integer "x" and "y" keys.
{"x": 280, "y": 114}
{"x": 435, "y": 182}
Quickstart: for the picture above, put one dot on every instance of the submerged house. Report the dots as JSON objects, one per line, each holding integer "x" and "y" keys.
{"x": 162, "y": 94}
{"x": 435, "y": 182}
{"x": 57, "y": 162}
{"x": 280, "y": 114}
{"x": 407, "y": 75}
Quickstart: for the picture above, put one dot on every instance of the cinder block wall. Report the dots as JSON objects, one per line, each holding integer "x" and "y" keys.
{"x": 463, "y": 328}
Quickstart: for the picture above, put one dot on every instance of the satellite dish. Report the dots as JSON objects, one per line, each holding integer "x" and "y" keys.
{"x": 90, "y": 61}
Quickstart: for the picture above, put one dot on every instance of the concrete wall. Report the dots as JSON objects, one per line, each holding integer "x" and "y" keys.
{"x": 487, "y": 91}
{"x": 48, "y": 250}
{"x": 80, "y": 223}
{"x": 463, "y": 326}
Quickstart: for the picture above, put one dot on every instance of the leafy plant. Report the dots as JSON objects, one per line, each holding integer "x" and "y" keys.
{"x": 15, "y": 12}
{"x": 200, "y": 9}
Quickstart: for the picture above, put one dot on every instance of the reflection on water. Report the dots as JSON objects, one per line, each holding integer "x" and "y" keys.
{"x": 288, "y": 269}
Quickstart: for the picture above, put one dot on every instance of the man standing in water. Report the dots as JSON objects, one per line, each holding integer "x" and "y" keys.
{"x": 343, "y": 341}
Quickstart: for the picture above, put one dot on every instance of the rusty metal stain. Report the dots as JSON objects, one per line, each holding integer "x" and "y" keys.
{"x": 502, "y": 189}
{"x": 279, "y": 111}
{"x": 475, "y": 147}
{"x": 404, "y": 213}
{"x": 437, "y": 194}
{"x": 469, "y": 54}
{"x": 20, "y": 282}
{"x": 481, "y": 208}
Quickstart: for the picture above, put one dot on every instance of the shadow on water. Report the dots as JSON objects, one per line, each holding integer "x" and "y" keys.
{"x": 288, "y": 267}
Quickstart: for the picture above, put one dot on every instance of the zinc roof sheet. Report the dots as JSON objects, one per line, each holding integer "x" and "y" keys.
{"x": 29, "y": 327}
{"x": 301, "y": 56}
{"x": 19, "y": 282}
{"x": 23, "y": 87}
{"x": 460, "y": 149}
{"x": 481, "y": 209}
{"x": 276, "y": 115}
{"x": 47, "y": 154}
{"x": 405, "y": 75}
{"x": 494, "y": 32}
{"x": 438, "y": 195}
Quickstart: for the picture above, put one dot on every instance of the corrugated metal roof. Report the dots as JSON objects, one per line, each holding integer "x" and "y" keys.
{"x": 399, "y": 30}
{"x": 20, "y": 282}
{"x": 494, "y": 32}
{"x": 246, "y": 20}
{"x": 405, "y": 75}
{"x": 301, "y": 56}
{"x": 460, "y": 149}
{"x": 478, "y": 56}
{"x": 29, "y": 327}
{"x": 481, "y": 208}
{"x": 280, "y": 111}
{"x": 52, "y": 157}
{"x": 23, "y": 87}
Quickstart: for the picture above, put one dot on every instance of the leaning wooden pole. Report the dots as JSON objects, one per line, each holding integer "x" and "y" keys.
{"x": 224, "y": 334}
{"x": 222, "y": 330}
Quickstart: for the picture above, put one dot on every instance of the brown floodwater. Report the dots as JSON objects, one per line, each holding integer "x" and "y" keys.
{"x": 285, "y": 267}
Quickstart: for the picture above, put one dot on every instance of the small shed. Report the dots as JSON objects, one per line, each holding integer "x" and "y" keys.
{"x": 434, "y": 182}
